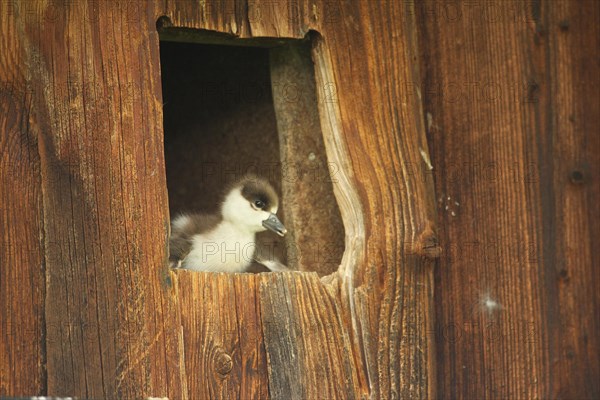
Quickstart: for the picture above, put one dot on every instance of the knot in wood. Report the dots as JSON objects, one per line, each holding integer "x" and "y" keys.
{"x": 564, "y": 275}
{"x": 222, "y": 362}
{"x": 427, "y": 244}
{"x": 577, "y": 177}
{"x": 431, "y": 249}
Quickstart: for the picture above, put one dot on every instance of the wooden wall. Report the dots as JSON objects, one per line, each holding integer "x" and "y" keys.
{"x": 512, "y": 96}
{"x": 89, "y": 309}
{"x": 88, "y": 194}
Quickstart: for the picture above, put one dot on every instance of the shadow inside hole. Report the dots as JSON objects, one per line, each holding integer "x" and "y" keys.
{"x": 221, "y": 120}
{"x": 219, "y": 124}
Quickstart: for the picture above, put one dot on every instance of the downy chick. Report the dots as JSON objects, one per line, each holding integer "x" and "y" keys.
{"x": 226, "y": 241}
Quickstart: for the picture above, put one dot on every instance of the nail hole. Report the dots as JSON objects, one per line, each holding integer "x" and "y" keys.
{"x": 564, "y": 274}
{"x": 577, "y": 177}
{"x": 564, "y": 25}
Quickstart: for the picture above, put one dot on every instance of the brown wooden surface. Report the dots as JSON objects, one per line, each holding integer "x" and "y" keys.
{"x": 514, "y": 102}
{"x": 386, "y": 302}
{"x": 22, "y": 288}
{"x": 305, "y": 340}
{"x": 384, "y": 286}
{"x": 94, "y": 123}
{"x": 221, "y": 327}
{"x": 315, "y": 241}
{"x": 255, "y": 336}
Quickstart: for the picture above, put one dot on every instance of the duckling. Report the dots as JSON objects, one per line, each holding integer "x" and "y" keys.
{"x": 226, "y": 242}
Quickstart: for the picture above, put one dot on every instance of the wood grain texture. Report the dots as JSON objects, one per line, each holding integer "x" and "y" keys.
{"x": 222, "y": 335}
{"x": 305, "y": 340}
{"x": 22, "y": 287}
{"x": 376, "y": 135}
{"x": 315, "y": 241}
{"x": 513, "y": 100}
{"x": 387, "y": 290}
{"x": 111, "y": 331}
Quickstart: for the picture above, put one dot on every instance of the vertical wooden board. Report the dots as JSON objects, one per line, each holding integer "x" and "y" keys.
{"x": 229, "y": 16}
{"x": 568, "y": 142}
{"x": 388, "y": 294}
{"x": 316, "y": 234}
{"x": 276, "y": 18}
{"x": 22, "y": 289}
{"x": 490, "y": 328}
{"x": 222, "y": 336}
{"x": 512, "y": 103}
{"x": 307, "y": 346}
{"x": 111, "y": 323}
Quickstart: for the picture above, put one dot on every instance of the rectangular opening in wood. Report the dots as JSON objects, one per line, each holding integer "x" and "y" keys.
{"x": 236, "y": 106}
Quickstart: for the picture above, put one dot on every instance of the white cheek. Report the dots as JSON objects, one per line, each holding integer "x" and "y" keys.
{"x": 260, "y": 216}
{"x": 238, "y": 210}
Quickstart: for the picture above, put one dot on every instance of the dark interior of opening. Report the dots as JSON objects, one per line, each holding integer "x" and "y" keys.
{"x": 221, "y": 121}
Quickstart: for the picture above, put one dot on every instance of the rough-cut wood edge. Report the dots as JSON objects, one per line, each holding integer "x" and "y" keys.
{"x": 316, "y": 236}
{"x": 347, "y": 198}
{"x": 344, "y": 189}
{"x": 409, "y": 298}
{"x": 132, "y": 357}
{"x": 341, "y": 284}
{"x": 110, "y": 329}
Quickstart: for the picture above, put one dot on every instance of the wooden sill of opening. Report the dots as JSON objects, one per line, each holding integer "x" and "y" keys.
{"x": 243, "y": 337}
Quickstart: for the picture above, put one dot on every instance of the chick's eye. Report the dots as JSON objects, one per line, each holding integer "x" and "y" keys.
{"x": 259, "y": 203}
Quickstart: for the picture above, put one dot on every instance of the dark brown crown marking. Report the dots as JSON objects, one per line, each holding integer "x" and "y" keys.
{"x": 256, "y": 189}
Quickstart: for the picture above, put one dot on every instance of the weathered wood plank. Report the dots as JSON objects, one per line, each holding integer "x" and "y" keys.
{"x": 22, "y": 287}
{"x": 316, "y": 233}
{"x": 570, "y": 143}
{"x": 112, "y": 328}
{"x": 513, "y": 102}
{"x": 223, "y": 335}
{"x": 306, "y": 344}
{"x": 110, "y": 309}
{"x": 387, "y": 290}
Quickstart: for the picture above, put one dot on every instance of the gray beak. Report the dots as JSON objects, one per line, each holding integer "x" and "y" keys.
{"x": 273, "y": 223}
